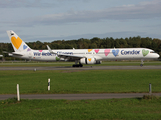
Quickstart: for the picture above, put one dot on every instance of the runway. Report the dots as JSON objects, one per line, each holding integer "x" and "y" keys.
{"x": 83, "y": 68}
{"x": 79, "y": 96}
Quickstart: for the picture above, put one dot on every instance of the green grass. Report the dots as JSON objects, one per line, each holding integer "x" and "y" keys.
{"x": 104, "y": 63}
{"x": 79, "y": 81}
{"x": 127, "y": 109}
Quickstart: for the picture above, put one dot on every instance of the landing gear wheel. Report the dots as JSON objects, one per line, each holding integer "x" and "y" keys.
{"x": 74, "y": 66}
{"x": 77, "y": 65}
{"x": 80, "y": 65}
{"x": 142, "y": 62}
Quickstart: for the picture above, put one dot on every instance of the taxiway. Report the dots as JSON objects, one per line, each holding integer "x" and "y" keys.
{"x": 79, "y": 96}
{"x": 82, "y": 68}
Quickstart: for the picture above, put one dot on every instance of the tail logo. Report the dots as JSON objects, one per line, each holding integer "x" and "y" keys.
{"x": 16, "y": 42}
{"x": 28, "y": 49}
{"x": 24, "y": 47}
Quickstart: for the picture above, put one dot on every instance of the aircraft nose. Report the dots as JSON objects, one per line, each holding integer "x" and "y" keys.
{"x": 157, "y": 55}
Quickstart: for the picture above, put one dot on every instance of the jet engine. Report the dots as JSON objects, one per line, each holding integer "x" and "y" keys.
{"x": 89, "y": 61}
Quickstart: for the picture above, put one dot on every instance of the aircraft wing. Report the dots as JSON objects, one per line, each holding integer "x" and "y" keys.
{"x": 70, "y": 57}
{"x": 66, "y": 56}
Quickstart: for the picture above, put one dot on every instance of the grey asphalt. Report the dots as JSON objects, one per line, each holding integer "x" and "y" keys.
{"x": 82, "y": 68}
{"x": 79, "y": 96}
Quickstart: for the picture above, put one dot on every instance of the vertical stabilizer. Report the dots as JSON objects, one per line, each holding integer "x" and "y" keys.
{"x": 18, "y": 44}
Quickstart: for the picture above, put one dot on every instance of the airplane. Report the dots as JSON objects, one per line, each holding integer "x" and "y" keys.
{"x": 79, "y": 56}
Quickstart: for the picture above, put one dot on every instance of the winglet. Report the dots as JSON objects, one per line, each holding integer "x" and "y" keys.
{"x": 50, "y": 50}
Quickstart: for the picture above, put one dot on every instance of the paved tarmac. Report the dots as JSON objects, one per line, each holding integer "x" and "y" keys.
{"x": 79, "y": 96}
{"x": 82, "y": 68}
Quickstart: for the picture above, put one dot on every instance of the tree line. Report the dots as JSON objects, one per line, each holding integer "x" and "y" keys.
{"x": 131, "y": 42}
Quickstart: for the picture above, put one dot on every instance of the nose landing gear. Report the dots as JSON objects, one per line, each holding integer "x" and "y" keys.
{"x": 142, "y": 62}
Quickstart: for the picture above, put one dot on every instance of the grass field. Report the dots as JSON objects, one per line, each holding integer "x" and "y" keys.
{"x": 104, "y": 63}
{"x": 79, "y": 81}
{"x": 126, "y": 109}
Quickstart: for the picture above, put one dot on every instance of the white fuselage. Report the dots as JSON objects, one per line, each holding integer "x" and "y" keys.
{"x": 97, "y": 54}
{"x": 81, "y": 56}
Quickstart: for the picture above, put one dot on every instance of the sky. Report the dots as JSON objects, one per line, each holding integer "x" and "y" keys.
{"x": 50, "y": 20}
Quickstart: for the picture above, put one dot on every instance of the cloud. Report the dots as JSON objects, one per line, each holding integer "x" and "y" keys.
{"x": 24, "y": 3}
{"x": 33, "y": 3}
{"x": 144, "y": 10}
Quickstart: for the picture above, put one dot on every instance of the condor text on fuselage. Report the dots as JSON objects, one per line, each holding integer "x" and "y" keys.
{"x": 134, "y": 52}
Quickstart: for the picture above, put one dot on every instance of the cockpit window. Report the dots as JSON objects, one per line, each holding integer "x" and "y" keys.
{"x": 152, "y": 51}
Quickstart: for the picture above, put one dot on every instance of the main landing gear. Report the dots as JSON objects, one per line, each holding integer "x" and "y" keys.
{"x": 77, "y": 64}
{"x": 142, "y": 62}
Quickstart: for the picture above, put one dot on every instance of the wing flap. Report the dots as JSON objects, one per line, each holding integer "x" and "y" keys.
{"x": 70, "y": 56}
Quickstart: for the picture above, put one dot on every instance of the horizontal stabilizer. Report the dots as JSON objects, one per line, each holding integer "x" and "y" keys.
{"x": 17, "y": 54}
{"x": 13, "y": 53}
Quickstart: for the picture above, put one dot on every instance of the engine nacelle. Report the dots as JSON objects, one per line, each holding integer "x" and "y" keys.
{"x": 89, "y": 61}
